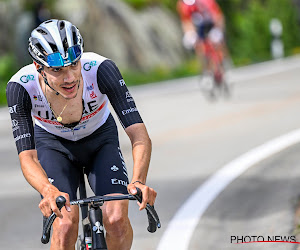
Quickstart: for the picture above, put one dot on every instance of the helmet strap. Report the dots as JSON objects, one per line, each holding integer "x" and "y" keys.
{"x": 40, "y": 69}
{"x": 46, "y": 82}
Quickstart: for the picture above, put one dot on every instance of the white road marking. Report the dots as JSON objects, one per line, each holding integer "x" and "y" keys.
{"x": 180, "y": 229}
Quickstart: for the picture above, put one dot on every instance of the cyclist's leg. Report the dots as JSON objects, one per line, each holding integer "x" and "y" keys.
{"x": 108, "y": 176}
{"x": 65, "y": 230}
{"x": 201, "y": 53}
{"x": 65, "y": 176}
{"x": 200, "y": 47}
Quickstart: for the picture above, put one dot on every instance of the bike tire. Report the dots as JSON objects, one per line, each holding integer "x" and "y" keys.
{"x": 80, "y": 244}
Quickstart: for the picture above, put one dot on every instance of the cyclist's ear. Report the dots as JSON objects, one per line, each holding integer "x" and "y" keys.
{"x": 38, "y": 67}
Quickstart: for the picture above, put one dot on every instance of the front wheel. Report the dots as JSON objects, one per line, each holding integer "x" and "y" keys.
{"x": 80, "y": 245}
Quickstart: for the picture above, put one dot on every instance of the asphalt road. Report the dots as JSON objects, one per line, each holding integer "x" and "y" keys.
{"x": 192, "y": 140}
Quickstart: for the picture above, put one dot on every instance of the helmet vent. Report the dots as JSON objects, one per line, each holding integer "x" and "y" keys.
{"x": 40, "y": 48}
{"x": 65, "y": 44}
{"x": 42, "y": 31}
{"x": 61, "y": 25}
{"x": 53, "y": 47}
{"x": 49, "y": 21}
{"x": 75, "y": 39}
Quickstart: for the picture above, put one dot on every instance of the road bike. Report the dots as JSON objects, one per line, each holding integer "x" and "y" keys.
{"x": 213, "y": 82}
{"x": 93, "y": 236}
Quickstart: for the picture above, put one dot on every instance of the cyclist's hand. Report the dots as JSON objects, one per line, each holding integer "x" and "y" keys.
{"x": 48, "y": 203}
{"x": 149, "y": 194}
{"x": 189, "y": 39}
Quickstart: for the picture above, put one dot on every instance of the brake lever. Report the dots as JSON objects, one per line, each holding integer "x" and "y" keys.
{"x": 47, "y": 222}
{"x": 153, "y": 218}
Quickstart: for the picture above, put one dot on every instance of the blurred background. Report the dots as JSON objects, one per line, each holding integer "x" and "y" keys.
{"x": 144, "y": 37}
{"x": 192, "y": 138}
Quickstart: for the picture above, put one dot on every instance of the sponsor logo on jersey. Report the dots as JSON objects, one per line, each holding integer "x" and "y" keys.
{"x": 129, "y": 97}
{"x": 92, "y": 92}
{"x": 26, "y": 78}
{"x": 119, "y": 182}
{"x": 14, "y": 125}
{"x": 92, "y": 108}
{"x": 45, "y": 114}
{"x": 122, "y": 82}
{"x": 46, "y": 120}
{"x": 37, "y": 97}
{"x": 61, "y": 127}
{"x": 39, "y": 106}
{"x": 15, "y": 128}
{"x": 93, "y": 95}
{"x": 19, "y": 137}
{"x": 127, "y": 111}
{"x": 78, "y": 127}
{"x": 114, "y": 168}
{"x": 12, "y": 109}
{"x": 91, "y": 87}
{"x": 88, "y": 65}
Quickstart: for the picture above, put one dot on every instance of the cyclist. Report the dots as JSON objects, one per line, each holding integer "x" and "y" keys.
{"x": 202, "y": 19}
{"x": 67, "y": 91}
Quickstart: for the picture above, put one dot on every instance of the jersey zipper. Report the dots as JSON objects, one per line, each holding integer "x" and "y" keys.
{"x": 74, "y": 136}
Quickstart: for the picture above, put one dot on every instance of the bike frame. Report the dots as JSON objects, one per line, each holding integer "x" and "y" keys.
{"x": 92, "y": 219}
{"x": 214, "y": 57}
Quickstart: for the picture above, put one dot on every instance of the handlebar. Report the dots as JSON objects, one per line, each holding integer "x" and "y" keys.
{"x": 153, "y": 218}
{"x": 47, "y": 222}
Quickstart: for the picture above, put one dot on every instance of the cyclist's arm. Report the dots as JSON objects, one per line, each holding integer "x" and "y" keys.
{"x": 110, "y": 82}
{"x": 19, "y": 105}
{"x": 217, "y": 14}
{"x": 185, "y": 17}
{"x": 188, "y": 26}
{"x": 37, "y": 178}
{"x": 141, "y": 151}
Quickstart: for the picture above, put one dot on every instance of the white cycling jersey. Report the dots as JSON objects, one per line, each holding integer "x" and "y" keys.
{"x": 95, "y": 109}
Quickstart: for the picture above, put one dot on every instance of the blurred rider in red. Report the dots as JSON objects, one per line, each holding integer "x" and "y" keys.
{"x": 202, "y": 19}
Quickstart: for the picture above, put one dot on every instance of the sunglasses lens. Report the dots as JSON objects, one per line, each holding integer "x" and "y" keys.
{"x": 55, "y": 60}
{"x": 74, "y": 53}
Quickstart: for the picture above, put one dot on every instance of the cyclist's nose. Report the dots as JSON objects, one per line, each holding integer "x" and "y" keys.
{"x": 69, "y": 76}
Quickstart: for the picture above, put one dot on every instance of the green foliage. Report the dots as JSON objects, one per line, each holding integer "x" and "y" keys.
{"x": 30, "y": 5}
{"x": 7, "y": 69}
{"x": 247, "y": 26}
{"x": 188, "y": 68}
{"x": 248, "y": 34}
{"x": 140, "y": 4}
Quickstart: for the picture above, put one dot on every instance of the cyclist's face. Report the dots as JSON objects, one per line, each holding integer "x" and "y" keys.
{"x": 65, "y": 80}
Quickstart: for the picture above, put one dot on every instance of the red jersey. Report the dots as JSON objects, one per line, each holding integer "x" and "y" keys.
{"x": 206, "y": 7}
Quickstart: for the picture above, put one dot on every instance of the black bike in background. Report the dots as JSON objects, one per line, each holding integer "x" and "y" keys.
{"x": 93, "y": 236}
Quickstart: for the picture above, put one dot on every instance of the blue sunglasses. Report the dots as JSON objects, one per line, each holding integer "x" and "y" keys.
{"x": 56, "y": 60}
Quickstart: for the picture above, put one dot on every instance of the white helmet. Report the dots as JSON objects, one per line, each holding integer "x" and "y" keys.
{"x": 55, "y": 43}
{"x": 189, "y": 2}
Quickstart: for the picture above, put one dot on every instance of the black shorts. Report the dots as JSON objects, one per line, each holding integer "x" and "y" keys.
{"x": 204, "y": 28}
{"x": 99, "y": 154}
